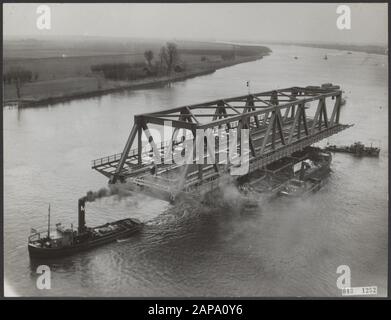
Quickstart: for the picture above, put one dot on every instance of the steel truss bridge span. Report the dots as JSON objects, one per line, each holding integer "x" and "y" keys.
{"x": 280, "y": 122}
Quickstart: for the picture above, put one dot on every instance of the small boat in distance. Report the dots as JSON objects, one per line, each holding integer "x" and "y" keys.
{"x": 325, "y": 57}
{"x": 296, "y": 57}
{"x": 357, "y": 148}
{"x": 62, "y": 242}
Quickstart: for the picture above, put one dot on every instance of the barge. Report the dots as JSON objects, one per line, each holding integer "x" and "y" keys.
{"x": 358, "y": 149}
{"x": 294, "y": 188}
{"x": 296, "y": 176}
{"x": 63, "y": 242}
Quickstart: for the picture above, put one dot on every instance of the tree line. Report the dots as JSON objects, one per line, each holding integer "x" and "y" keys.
{"x": 167, "y": 63}
{"x": 19, "y": 75}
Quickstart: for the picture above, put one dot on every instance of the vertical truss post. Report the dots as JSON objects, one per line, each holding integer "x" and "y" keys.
{"x": 293, "y": 111}
{"x": 244, "y": 123}
{"x": 201, "y": 144}
{"x": 285, "y": 117}
{"x": 250, "y": 103}
{"x": 274, "y": 133}
{"x": 338, "y": 108}
{"x": 280, "y": 128}
{"x": 293, "y": 98}
{"x": 293, "y": 126}
{"x": 125, "y": 152}
{"x": 317, "y": 119}
{"x": 139, "y": 146}
{"x": 267, "y": 134}
{"x": 183, "y": 176}
{"x": 221, "y": 112}
{"x": 274, "y": 101}
{"x": 299, "y": 123}
{"x": 251, "y": 142}
{"x": 335, "y": 110}
{"x": 274, "y": 98}
{"x": 239, "y": 134}
{"x": 151, "y": 142}
{"x": 304, "y": 119}
{"x": 325, "y": 119}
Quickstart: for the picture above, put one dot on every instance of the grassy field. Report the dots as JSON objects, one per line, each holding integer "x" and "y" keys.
{"x": 62, "y": 69}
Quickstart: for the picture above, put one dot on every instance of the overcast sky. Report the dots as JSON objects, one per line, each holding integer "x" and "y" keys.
{"x": 231, "y": 21}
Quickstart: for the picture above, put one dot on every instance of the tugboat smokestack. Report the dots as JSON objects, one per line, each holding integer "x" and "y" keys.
{"x": 82, "y": 215}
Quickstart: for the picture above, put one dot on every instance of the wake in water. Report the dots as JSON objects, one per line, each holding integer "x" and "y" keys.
{"x": 226, "y": 199}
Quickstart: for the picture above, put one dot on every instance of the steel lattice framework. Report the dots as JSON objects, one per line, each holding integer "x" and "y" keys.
{"x": 280, "y": 122}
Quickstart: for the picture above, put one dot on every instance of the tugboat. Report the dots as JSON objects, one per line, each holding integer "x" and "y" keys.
{"x": 62, "y": 242}
{"x": 357, "y": 148}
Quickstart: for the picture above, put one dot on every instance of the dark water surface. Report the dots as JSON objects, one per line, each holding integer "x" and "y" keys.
{"x": 287, "y": 249}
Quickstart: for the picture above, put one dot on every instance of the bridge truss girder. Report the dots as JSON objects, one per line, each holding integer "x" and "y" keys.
{"x": 277, "y": 120}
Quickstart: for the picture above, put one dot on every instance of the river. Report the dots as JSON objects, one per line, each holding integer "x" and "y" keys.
{"x": 286, "y": 249}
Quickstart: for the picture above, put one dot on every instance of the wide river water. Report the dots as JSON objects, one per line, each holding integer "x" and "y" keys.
{"x": 286, "y": 249}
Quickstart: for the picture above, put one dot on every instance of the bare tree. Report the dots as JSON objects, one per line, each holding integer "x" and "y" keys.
{"x": 169, "y": 56}
{"x": 172, "y": 56}
{"x": 163, "y": 58}
{"x": 149, "y": 57}
{"x": 17, "y": 85}
{"x": 19, "y": 76}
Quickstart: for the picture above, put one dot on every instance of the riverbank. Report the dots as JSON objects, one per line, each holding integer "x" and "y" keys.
{"x": 38, "y": 72}
{"x": 56, "y": 91}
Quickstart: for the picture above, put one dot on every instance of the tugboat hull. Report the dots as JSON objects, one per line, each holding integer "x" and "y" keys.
{"x": 40, "y": 249}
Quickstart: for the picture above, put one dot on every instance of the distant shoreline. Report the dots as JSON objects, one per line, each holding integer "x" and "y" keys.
{"x": 371, "y": 49}
{"x": 131, "y": 85}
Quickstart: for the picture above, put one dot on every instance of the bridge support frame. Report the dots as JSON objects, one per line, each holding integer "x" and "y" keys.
{"x": 276, "y": 120}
